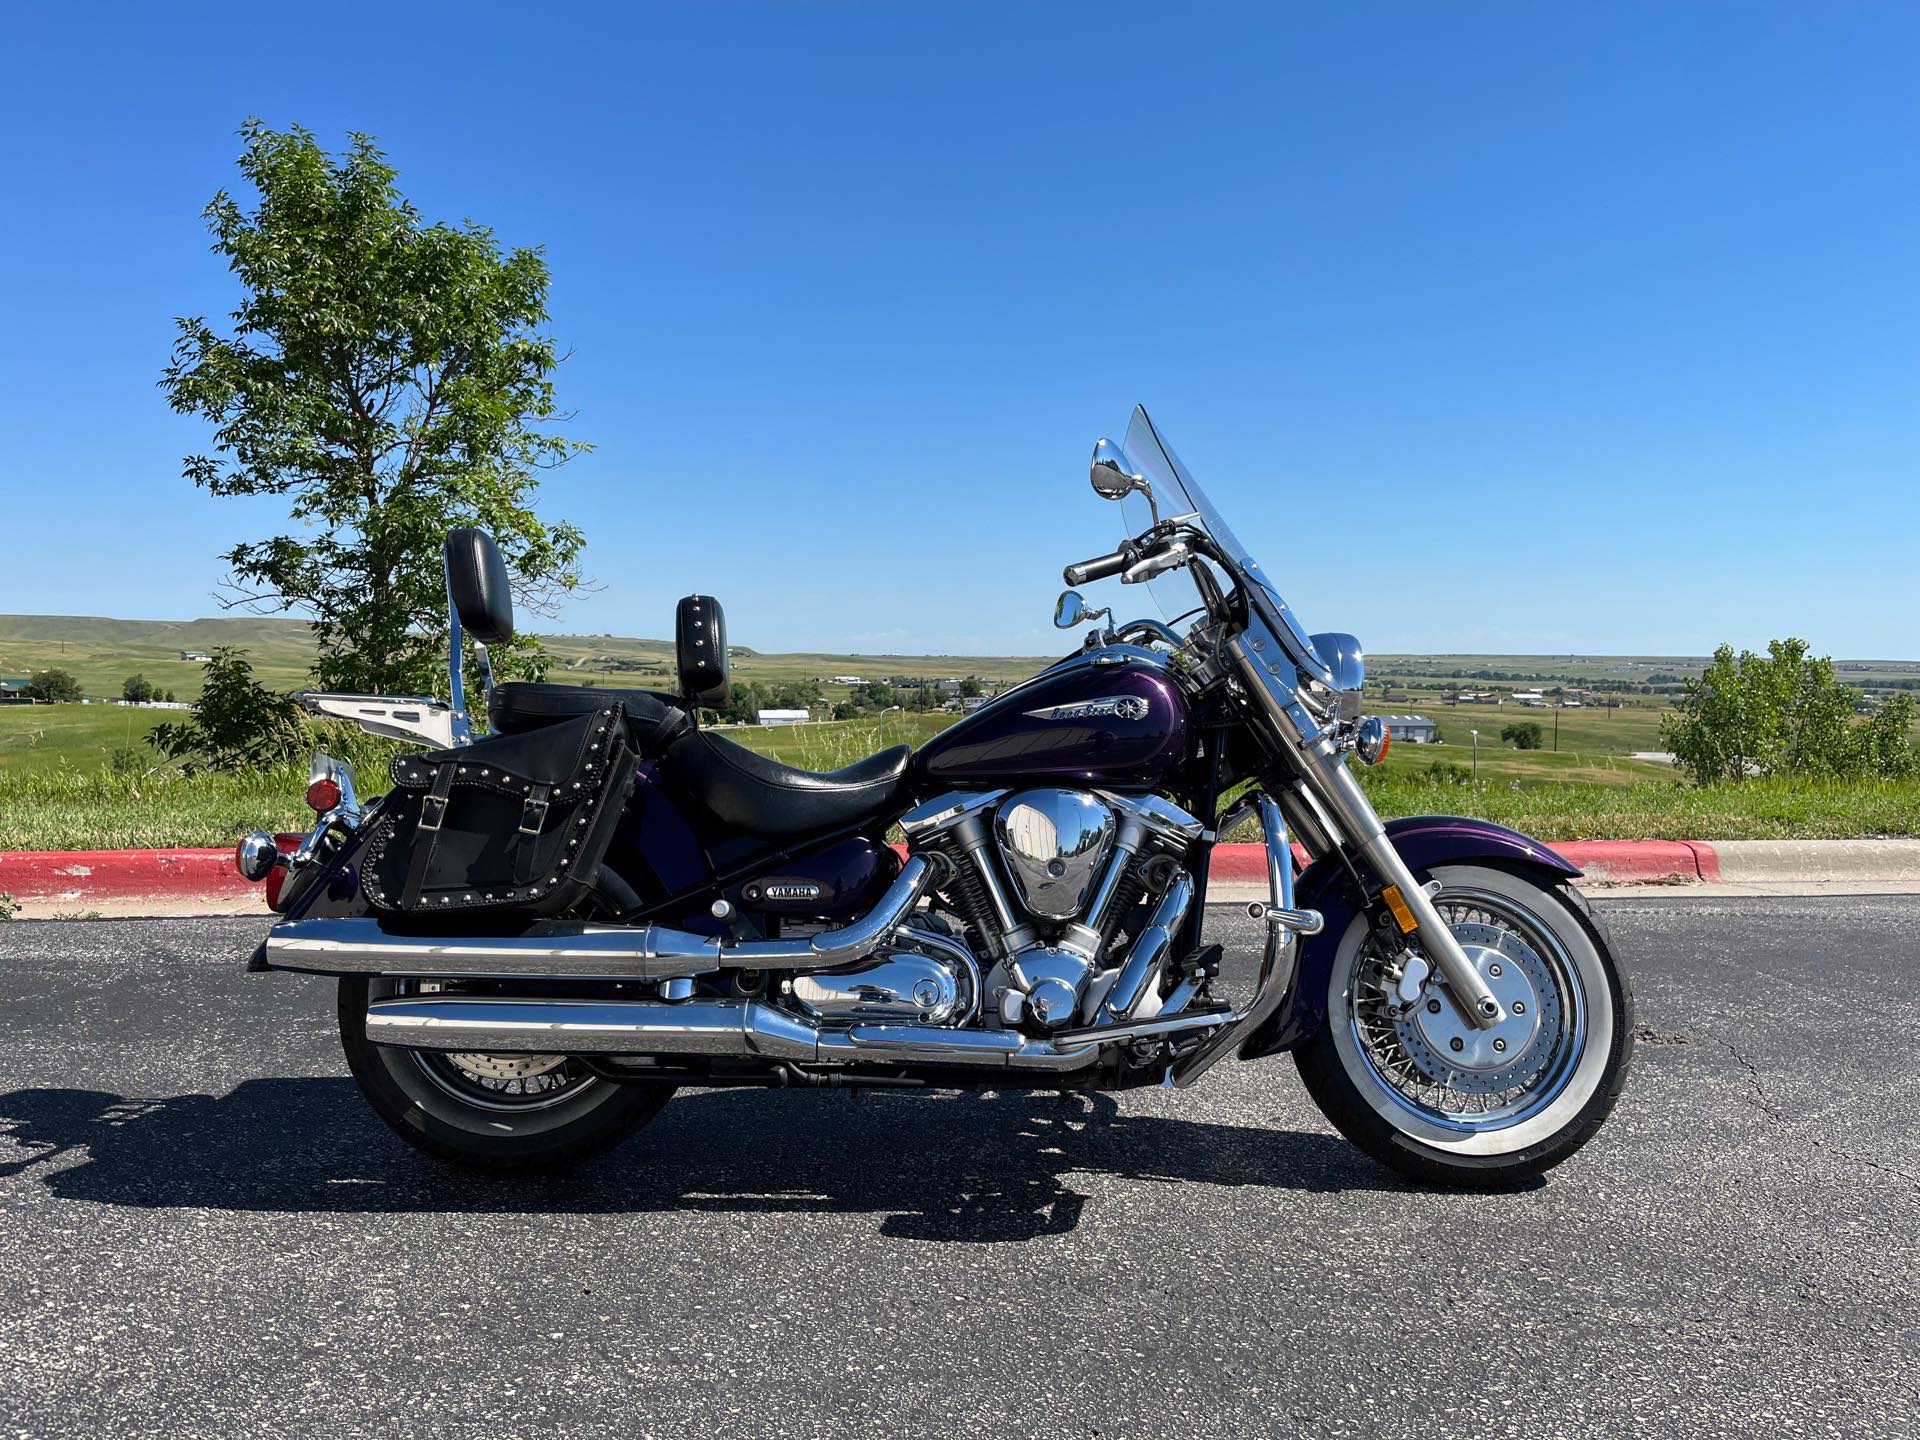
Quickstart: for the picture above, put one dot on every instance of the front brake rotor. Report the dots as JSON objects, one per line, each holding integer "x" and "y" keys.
{"x": 1450, "y": 1050}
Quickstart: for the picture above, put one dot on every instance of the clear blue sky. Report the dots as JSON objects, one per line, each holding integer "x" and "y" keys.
{"x": 1549, "y": 327}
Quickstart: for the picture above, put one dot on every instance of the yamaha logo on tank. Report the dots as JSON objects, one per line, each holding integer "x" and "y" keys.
{"x": 1120, "y": 707}
{"x": 790, "y": 890}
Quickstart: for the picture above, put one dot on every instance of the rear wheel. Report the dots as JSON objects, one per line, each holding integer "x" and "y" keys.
{"x": 1420, "y": 1088}
{"x": 500, "y": 1113}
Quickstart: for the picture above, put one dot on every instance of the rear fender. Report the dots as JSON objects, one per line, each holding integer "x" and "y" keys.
{"x": 1423, "y": 841}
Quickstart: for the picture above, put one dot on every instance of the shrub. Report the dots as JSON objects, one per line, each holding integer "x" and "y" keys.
{"x": 1524, "y": 734}
{"x": 138, "y": 689}
{"x": 54, "y": 686}
{"x": 237, "y": 723}
{"x": 126, "y": 760}
{"x": 1784, "y": 713}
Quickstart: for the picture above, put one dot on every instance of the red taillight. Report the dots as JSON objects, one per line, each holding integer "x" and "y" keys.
{"x": 323, "y": 794}
{"x": 277, "y": 877}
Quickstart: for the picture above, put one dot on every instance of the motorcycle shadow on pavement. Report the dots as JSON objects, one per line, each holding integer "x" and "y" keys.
{"x": 950, "y": 1167}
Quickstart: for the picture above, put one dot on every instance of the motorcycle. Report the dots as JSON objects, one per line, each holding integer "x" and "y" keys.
{"x": 541, "y": 932}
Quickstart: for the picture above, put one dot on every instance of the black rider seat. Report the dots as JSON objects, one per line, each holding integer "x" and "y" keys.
{"x": 520, "y": 705}
{"x": 748, "y": 792}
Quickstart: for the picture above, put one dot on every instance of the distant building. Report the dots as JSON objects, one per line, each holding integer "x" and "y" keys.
{"x": 1396, "y": 698}
{"x": 200, "y": 655}
{"x": 844, "y": 680}
{"x": 781, "y": 717}
{"x": 971, "y": 703}
{"x": 1412, "y": 729}
{"x": 14, "y": 692}
{"x": 1529, "y": 697}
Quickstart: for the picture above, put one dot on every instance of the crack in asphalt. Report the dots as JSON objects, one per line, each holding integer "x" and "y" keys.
{"x": 1756, "y": 1083}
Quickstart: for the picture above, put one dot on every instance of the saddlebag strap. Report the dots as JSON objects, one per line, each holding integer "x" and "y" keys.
{"x": 433, "y": 813}
{"x": 533, "y": 819}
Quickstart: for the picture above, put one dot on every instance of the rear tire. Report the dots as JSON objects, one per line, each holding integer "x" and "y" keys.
{"x": 1388, "y": 1084}
{"x": 555, "y": 1119}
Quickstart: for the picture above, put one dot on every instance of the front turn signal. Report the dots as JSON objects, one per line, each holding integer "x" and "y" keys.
{"x": 1371, "y": 739}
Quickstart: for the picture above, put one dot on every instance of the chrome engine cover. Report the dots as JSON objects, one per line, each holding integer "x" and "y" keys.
{"x": 1054, "y": 843}
{"x": 895, "y": 985}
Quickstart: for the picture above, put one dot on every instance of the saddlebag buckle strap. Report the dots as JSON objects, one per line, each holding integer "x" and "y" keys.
{"x": 533, "y": 819}
{"x": 433, "y": 806}
{"x": 533, "y": 815}
{"x": 433, "y": 814}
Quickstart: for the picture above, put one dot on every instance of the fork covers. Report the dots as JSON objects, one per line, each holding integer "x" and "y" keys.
{"x": 512, "y": 823}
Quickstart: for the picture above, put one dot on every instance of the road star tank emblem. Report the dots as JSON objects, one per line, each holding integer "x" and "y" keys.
{"x": 1120, "y": 707}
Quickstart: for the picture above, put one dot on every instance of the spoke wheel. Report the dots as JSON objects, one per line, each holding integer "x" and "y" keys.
{"x": 1408, "y": 1077}
{"x": 1434, "y": 1060}
{"x": 499, "y": 1112}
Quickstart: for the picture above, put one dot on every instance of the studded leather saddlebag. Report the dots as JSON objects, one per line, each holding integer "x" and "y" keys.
{"x": 512, "y": 823}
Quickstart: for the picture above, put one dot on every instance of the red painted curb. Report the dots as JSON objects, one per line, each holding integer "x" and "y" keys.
{"x": 1642, "y": 860}
{"x": 1244, "y": 864}
{"x": 80, "y": 875}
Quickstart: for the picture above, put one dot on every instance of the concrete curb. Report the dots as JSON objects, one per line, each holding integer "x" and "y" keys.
{"x": 83, "y": 878}
{"x": 151, "y": 882}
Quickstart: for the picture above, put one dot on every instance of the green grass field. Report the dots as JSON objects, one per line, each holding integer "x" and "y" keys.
{"x": 56, "y": 790}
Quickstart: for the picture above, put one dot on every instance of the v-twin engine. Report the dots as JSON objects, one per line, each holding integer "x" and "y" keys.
{"x": 1045, "y": 880}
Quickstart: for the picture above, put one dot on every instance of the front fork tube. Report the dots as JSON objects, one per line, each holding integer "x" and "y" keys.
{"x": 1354, "y": 813}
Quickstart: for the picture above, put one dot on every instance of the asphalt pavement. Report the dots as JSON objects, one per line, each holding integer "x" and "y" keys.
{"x": 203, "y": 1231}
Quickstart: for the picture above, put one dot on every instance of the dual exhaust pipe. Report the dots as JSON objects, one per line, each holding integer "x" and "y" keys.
{"x": 752, "y": 1029}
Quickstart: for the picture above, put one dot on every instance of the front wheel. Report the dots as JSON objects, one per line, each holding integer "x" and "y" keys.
{"x": 503, "y": 1113}
{"x": 1418, "y": 1087}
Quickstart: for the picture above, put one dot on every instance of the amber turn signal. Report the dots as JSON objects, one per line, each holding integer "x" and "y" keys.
{"x": 1371, "y": 739}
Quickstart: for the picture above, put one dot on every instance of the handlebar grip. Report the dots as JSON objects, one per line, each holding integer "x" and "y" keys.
{"x": 1098, "y": 568}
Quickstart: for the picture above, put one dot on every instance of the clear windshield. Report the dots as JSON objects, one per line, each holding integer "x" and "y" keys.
{"x": 1176, "y": 492}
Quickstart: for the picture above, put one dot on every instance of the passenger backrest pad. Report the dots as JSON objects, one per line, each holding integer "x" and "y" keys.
{"x": 700, "y": 643}
{"x": 477, "y": 582}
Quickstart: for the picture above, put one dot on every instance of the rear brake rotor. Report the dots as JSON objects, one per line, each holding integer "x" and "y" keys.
{"x": 505, "y": 1067}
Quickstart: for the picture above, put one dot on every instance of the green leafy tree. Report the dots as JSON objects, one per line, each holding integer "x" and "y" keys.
{"x": 390, "y": 378}
{"x": 236, "y": 724}
{"x": 138, "y": 689}
{"x": 744, "y": 702}
{"x": 54, "y": 686}
{"x": 1523, "y": 735}
{"x": 1783, "y": 713}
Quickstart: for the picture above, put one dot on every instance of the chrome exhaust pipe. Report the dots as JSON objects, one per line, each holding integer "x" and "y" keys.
{"x": 574, "y": 951}
{"x": 1123, "y": 1001}
{"x": 739, "y": 1029}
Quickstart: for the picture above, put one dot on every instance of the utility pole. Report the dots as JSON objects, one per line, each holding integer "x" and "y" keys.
{"x": 1476, "y": 758}
{"x": 1556, "y": 727}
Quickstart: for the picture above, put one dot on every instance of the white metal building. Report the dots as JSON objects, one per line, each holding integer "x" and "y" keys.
{"x": 1412, "y": 729}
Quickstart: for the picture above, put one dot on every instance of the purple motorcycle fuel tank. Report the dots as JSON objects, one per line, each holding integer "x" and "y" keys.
{"x": 1112, "y": 717}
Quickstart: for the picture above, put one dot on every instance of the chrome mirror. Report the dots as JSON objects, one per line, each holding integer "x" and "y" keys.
{"x": 1071, "y": 610}
{"x": 1114, "y": 477}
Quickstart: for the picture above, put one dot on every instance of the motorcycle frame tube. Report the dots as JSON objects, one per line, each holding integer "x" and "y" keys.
{"x": 1422, "y": 842}
{"x": 1279, "y": 964}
